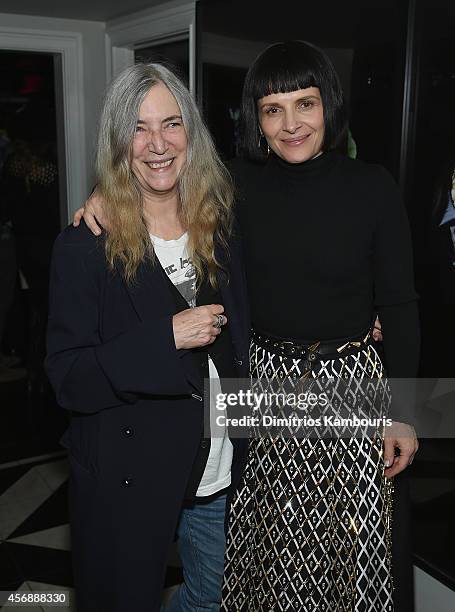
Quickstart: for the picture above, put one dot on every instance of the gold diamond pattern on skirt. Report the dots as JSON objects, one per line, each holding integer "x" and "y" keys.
{"x": 309, "y": 526}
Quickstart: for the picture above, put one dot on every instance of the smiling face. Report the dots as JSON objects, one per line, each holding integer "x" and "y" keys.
{"x": 160, "y": 143}
{"x": 293, "y": 123}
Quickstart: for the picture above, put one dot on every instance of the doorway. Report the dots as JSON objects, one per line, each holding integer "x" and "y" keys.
{"x": 32, "y": 201}
{"x": 173, "y": 53}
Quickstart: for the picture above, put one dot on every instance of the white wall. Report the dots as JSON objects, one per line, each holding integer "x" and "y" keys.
{"x": 94, "y": 69}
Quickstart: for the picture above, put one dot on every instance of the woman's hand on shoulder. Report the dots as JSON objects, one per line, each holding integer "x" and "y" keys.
{"x": 401, "y": 438}
{"x": 198, "y": 326}
{"x": 93, "y": 213}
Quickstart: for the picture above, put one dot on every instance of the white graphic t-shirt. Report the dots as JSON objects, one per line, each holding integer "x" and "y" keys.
{"x": 172, "y": 255}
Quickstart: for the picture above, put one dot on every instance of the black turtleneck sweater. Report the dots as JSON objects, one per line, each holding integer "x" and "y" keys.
{"x": 327, "y": 245}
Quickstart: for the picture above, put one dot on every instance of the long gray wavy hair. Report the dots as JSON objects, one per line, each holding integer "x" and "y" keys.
{"x": 204, "y": 185}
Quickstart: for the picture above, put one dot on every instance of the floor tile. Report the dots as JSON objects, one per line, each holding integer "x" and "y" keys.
{"x": 8, "y": 518}
{"x": 55, "y": 537}
{"x": 29, "y": 461}
{"x": 41, "y": 564}
{"x": 25, "y": 588}
{"x": 53, "y": 512}
{"x": 39, "y": 587}
{"x": 54, "y": 473}
{"x": 11, "y": 475}
{"x": 21, "y": 499}
{"x": 31, "y": 486}
{"x": 11, "y": 576}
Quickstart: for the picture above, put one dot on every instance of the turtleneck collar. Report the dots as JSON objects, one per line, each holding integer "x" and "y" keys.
{"x": 312, "y": 167}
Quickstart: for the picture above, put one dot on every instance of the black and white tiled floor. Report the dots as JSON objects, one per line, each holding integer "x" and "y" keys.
{"x": 34, "y": 531}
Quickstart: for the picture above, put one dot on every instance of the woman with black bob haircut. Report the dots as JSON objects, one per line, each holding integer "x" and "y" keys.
{"x": 286, "y": 67}
{"x": 326, "y": 246}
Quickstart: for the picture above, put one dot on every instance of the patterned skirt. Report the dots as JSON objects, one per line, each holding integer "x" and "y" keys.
{"x": 310, "y": 523}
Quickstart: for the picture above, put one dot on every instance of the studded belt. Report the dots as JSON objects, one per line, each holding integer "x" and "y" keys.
{"x": 311, "y": 351}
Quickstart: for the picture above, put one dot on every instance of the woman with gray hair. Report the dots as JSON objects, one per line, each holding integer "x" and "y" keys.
{"x": 139, "y": 316}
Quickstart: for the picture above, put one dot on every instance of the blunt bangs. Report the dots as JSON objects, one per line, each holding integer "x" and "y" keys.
{"x": 282, "y": 68}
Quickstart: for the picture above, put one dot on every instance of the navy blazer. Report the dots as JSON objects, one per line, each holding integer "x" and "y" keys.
{"x": 137, "y": 418}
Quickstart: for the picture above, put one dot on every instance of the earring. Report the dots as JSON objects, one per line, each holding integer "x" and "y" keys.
{"x": 261, "y": 136}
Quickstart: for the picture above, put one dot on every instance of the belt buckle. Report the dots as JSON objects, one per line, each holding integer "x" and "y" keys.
{"x": 288, "y": 350}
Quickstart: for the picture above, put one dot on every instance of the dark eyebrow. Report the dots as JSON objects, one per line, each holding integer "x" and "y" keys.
{"x": 171, "y": 118}
{"x": 308, "y": 98}
{"x": 303, "y": 98}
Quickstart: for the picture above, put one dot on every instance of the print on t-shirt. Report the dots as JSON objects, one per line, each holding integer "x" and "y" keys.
{"x": 177, "y": 265}
{"x": 183, "y": 276}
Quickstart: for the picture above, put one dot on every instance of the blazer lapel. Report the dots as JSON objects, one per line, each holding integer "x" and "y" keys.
{"x": 149, "y": 292}
{"x": 153, "y": 295}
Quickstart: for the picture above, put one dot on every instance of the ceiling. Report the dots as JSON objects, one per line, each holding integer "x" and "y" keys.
{"x": 92, "y": 10}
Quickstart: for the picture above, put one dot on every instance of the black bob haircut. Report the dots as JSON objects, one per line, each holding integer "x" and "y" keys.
{"x": 284, "y": 67}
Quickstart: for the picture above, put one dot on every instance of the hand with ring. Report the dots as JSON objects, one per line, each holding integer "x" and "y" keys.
{"x": 198, "y": 326}
{"x": 220, "y": 321}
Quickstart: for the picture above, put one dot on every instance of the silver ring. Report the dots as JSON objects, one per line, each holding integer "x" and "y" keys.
{"x": 219, "y": 322}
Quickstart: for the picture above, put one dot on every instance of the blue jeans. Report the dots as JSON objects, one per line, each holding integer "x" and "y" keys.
{"x": 201, "y": 544}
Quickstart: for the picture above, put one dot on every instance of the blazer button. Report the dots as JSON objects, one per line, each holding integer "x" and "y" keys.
{"x": 204, "y": 444}
{"x": 127, "y": 482}
{"x": 195, "y": 396}
{"x": 128, "y": 431}
{"x": 238, "y": 361}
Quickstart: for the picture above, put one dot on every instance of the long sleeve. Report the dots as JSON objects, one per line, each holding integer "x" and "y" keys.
{"x": 87, "y": 373}
{"x": 395, "y": 296}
